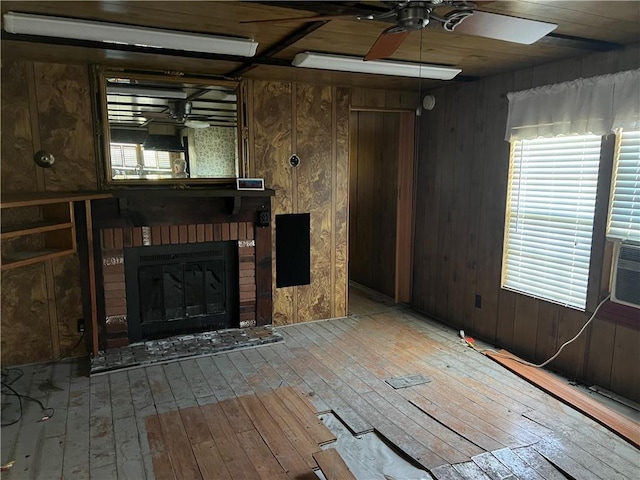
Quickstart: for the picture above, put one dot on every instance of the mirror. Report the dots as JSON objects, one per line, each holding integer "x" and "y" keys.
{"x": 171, "y": 129}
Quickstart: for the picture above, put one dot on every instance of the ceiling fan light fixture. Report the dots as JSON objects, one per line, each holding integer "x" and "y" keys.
{"x": 342, "y": 63}
{"x": 76, "y": 29}
{"x": 196, "y": 124}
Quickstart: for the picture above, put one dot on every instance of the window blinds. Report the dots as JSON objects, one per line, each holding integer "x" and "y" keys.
{"x": 624, "y": 214}
{"x": 158, "y": 160}
{"x": 549, "y": 218}
{"x": 123, "y": 155}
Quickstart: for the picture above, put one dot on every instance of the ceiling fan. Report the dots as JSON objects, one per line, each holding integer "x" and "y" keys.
{"x": 452, "y": 15}
{"x": 180, "y": 111}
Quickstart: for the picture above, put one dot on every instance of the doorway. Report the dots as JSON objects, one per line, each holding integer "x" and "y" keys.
{"x": 381, "y": 201}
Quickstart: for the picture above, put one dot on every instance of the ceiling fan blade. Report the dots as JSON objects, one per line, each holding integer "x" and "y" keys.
{"x": 317, "y": 18}
{"x": 386, "y": 44}
{"x": 503, "y": 27}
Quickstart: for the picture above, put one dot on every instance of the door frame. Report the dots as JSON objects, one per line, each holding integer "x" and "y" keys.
{"x": 405, "y": 200}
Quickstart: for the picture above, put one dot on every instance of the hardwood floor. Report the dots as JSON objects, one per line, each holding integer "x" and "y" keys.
{"x": 242, "y": 414}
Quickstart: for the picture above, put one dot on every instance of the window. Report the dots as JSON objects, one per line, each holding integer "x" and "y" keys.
{"x": 129, "y": 160}
{"x": 624, "y": 213}
{"x": 549, "y": 218}
{"x": 156, "y": 160}
{"x": 124, "y": 155}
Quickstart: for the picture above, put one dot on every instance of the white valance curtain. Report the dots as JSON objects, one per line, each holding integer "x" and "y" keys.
{"x": 595, "y": 105}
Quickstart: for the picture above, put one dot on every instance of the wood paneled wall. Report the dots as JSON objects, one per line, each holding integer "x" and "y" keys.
{"x": 44, "y": 106}
{"x": 312, "y": 122}
{"x": 373, "y": 195}
{"x": 462, "y": 177}
{"x": 47, "y": 106}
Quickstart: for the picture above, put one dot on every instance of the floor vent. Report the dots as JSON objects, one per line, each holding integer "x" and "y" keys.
{"x": 408, "y": 381}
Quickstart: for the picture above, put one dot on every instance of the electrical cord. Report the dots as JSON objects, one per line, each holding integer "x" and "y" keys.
{"x": 72, "y": 348}
{"x": 484, "y": 351}
{"x": 7, "y": 389}
{"x": 12, "y": 391}
{"x": 6, "y": 375}
{"x": 21, "y": 412}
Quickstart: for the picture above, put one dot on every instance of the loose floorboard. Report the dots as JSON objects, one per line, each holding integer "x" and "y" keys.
{"x": 615, "y": 422}
{"x": 254, "y": 414}
{"x": 332, "y": 465}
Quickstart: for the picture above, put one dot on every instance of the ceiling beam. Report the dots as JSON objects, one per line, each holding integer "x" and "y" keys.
{"x": 289, "y": 40}
{"x": 137, "y": 49}
{"x": 589, "y": 44}
{"x": 330, "y": 8}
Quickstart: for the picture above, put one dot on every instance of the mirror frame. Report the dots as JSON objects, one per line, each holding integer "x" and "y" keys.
{"x": 103, "y": 131}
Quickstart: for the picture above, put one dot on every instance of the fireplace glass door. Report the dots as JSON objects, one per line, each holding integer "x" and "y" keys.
{"x": 174, "y": 289}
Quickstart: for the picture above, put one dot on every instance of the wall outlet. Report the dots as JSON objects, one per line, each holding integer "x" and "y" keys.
{"x": 81, "y": 325}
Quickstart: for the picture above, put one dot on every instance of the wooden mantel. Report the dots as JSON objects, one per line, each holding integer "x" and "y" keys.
{"x": 234, "y": 197}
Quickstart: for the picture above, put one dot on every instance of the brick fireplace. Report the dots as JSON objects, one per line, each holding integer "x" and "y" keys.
{"x": 186, "y": 229}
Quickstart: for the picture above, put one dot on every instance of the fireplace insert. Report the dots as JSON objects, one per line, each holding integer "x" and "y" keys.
{"x": 176, "y": 289}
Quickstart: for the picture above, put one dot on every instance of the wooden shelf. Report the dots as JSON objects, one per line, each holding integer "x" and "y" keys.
{"x": 26, "y": 199}
{"x": 46, "y": 220}
{"x": 28, "y": 257}
{"x": 33, "y": 228}
{"x": 43, "y": 227}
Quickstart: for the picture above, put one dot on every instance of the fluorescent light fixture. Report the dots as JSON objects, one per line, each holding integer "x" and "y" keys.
{"x": 43, "y": 25}
{"x": 145, "y": 92}
{"x": 356, "y": 64}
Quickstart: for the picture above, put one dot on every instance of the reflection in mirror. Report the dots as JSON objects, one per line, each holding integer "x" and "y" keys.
{"x": 166, "y": 128}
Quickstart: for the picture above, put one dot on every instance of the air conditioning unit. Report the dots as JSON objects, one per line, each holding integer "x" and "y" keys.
{"x": 625, "y": 288}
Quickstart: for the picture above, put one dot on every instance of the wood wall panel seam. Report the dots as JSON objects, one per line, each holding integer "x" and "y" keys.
{"x": 342, "y": 201}
{"x": 294, "y": 184}
{"x": 53, "y": 313}
{"x": 352, "y": 194}
{"x": 35, "y": 123}
{"x": 404, "y": 209}
{"x": 92, "y": 279}
{"x": 334, "y": 186}
{"x": 294, "y": 147}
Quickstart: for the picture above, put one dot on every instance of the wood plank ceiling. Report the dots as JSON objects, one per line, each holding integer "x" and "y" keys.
{"x": 582, "y": 26}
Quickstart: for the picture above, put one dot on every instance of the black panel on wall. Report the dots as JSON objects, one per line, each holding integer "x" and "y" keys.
{"x": 293, "y": 250}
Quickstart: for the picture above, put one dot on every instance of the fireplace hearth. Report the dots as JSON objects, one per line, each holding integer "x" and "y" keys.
{"x": 177, "y": 289}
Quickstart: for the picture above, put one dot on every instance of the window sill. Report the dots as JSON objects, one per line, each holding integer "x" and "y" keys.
{"x": 620, "y": 315}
